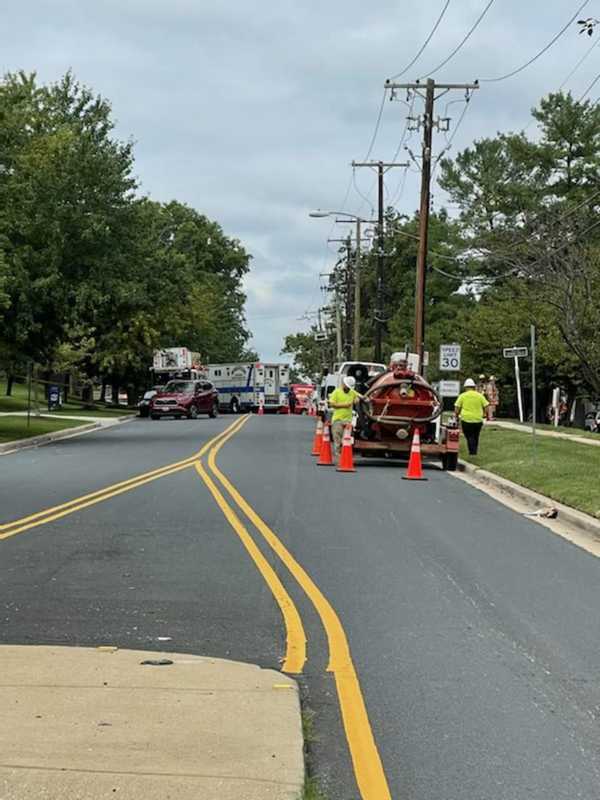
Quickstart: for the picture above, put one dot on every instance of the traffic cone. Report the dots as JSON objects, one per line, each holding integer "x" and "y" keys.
{"x": 318, "y": 439}
{"x": 325, "y": 457}
{"x": 415, "y": 471}
{"x": 261, "y": 409}
{"x": 346, "y": 463}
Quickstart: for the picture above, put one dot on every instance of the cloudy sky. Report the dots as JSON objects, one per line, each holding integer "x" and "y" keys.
{"x": 252, "y": 110}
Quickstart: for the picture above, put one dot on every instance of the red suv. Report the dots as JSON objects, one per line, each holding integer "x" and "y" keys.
{"x": 182, "y": 398}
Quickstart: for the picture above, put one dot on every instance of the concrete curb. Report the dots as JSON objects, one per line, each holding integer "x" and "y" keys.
{"x": 583, "y": 523}
{"x": 67, "y": 433}
{"x": 99, "y": 722}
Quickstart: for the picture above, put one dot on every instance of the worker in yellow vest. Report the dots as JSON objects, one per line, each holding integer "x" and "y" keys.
{"x": 471, "y": 408}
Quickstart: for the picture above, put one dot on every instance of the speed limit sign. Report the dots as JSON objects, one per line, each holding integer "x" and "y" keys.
{"x": 450, "y": 357}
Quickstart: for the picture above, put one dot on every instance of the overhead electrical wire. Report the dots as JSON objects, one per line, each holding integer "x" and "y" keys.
{"x": 541, "y": 52}
{"x": 590, "y": 87}
{"x": 377, "y": 125}
{"x": 463, "y": 42}
{"x": 579, "y": 63}
{"x": 426, "y": 42}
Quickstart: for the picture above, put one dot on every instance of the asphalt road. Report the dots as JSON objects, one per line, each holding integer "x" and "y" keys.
{"x": 474, "y": 632}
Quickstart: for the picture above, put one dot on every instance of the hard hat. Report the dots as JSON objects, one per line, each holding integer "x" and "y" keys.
{"x": 492, "y": 377}
{"x": 396, "y": 358}
{"x": 469, "y": 383}
{"x": 482, "y": 377}
{"x": 349, "y": 381}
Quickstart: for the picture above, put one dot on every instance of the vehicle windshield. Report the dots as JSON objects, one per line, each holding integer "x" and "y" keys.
{"x": 179, "y": 386}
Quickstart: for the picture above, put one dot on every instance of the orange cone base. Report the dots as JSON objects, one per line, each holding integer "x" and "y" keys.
{"x": 408, "y": 478}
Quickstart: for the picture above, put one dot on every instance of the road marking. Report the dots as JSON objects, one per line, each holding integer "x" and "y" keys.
{"x": 368, "y": 769}
{"x": 56, "y": 512}
{"x": 295, "y": 656}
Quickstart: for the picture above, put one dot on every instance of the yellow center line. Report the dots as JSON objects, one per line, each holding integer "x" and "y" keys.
{"x": 56, "y": 512}
{"x": 295, "y": 655}
{"x": 368, "y": 768}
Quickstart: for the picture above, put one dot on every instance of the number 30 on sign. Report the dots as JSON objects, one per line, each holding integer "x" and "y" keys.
{"x": 450, "y": 357}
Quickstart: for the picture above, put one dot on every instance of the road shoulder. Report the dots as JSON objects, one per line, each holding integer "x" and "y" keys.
{"x": 575, "y": 526}
{"x": 96, "y": 722}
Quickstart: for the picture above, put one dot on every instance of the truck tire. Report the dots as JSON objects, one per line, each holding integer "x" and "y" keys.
{"x": 214, "y": 412}
{"x": 450, "y": 461}
{"x": 234, "y": 406}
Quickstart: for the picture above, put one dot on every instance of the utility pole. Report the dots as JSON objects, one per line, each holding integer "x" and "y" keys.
{"x": 356, "y": 348}
{"x": 428, "y": 123}
{"x": 381, "y": 167}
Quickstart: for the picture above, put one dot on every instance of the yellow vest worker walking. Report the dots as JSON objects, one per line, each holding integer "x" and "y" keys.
{"x": 471, "y": 407}
{"x": 342, "y": 400}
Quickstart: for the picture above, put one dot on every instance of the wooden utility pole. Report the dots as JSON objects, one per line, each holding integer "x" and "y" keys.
{"x": 428, "y": 123}
{"x": 381, "y": 167}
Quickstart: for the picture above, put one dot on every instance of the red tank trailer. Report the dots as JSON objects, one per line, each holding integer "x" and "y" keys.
{"x": 394, "y": 405}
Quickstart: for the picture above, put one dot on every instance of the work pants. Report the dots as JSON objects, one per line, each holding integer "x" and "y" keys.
{"x": 337, "y": 431}
{"x": 472, "y": 430}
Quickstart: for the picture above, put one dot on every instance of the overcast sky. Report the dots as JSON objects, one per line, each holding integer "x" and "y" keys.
{"x": 251, "y": 111}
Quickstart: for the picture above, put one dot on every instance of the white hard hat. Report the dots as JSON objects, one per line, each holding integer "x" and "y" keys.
{"x": 469, "y": 383}
{"x": 395, "y": 358}
{"x": 349, "y": 381}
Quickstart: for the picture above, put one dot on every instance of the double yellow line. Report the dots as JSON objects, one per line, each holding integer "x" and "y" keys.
{"x": 368, "y": 769}
{"x": 71, "y": 506}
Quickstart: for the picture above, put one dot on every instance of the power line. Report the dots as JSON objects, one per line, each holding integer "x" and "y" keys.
{"x": 377, "y": 124}
{"x": 579, "y": 63}
{"x": 463, "y": 42}
{"x": 590, "y": 87}
{"x": 541, "y": 52}
{"x": 429, "y": 38}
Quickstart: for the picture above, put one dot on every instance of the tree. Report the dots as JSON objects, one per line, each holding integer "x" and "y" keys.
{"x": 533, "y": 225}
{"x": 307, "y": 352}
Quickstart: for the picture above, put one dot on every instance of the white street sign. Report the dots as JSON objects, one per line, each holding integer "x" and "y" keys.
{"x": 449, "y": 388}
{"x": 515, "y": 352}
{"x": 450, "y": 357}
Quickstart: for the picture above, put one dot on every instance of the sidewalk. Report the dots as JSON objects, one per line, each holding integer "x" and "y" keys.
{"x": 515, "y": 426}
{"x": 90, "y": 723}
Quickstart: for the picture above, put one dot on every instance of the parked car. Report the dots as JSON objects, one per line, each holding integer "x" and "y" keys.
{"x": 182, "y": 398}
{"x": 592, "y": 422}
{"x": 144, "y": 402}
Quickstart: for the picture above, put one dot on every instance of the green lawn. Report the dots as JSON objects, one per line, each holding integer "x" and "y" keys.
{"x": 566, "y": 471}
{"x": 18, "y": 402}
{"x": 13, "y": 428}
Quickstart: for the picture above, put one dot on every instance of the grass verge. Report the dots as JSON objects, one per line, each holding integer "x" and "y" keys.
{"x": 14, "y": 428}
{"x": 18, "y": 402}
{"x": 565, "y": 471}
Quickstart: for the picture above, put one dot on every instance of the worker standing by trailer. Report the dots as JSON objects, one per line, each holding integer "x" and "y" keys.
{"x": 342, "y": 401}
{"x": 471, "y": 406}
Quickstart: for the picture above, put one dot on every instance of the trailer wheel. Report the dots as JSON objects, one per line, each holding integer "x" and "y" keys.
{"x": 450, "y": 461}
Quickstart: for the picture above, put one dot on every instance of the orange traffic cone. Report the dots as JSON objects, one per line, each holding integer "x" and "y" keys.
{"x": 316, "y": 450}
{"x": 325, "y": 457}
{"x": 346, "y": 463}
{"x": 415, "y": 471}
{"x": 261, "y": 409}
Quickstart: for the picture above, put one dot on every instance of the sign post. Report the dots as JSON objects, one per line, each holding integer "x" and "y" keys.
{"x": 516, "y": 353}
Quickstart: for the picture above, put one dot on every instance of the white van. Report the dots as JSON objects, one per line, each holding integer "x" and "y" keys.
{"x": 245, "y": 386}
